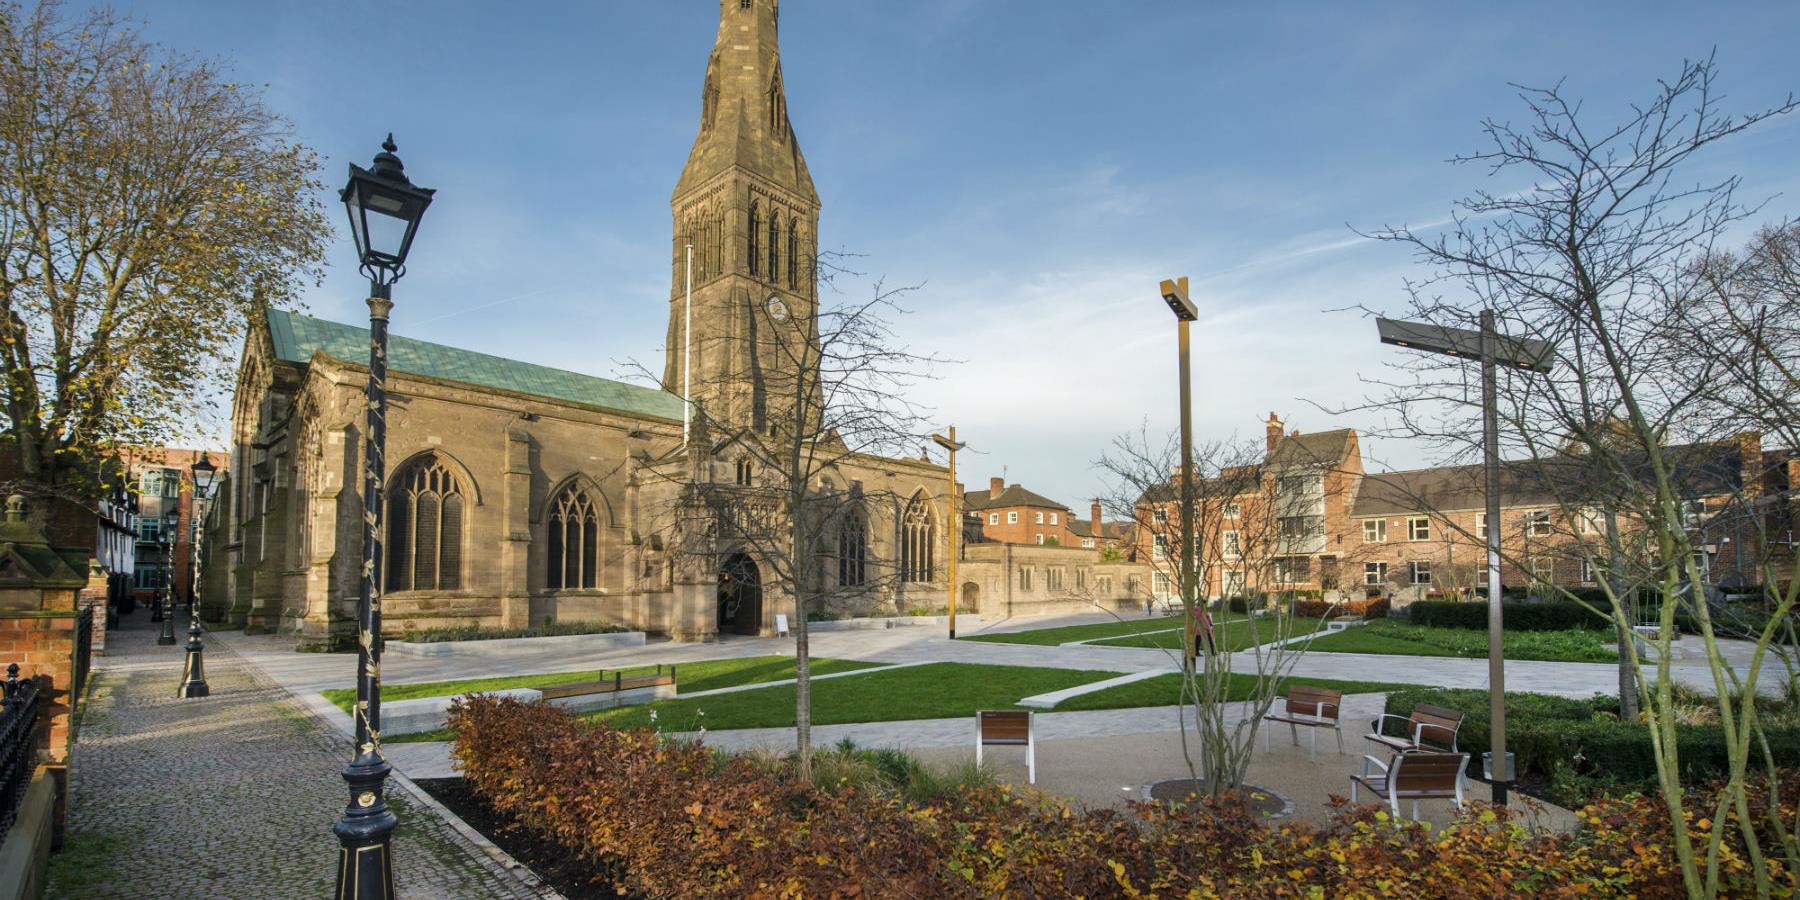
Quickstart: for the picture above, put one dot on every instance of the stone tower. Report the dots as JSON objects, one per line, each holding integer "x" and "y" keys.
{"x": 747, "y": 205}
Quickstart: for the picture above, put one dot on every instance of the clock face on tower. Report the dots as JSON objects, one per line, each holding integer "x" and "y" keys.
{"x": 777, "y": 309}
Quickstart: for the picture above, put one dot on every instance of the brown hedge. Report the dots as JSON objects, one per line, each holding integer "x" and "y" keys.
{"x": 665, "y": 819}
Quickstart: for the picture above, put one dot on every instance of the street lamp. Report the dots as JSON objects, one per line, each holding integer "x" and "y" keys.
{"x": 1175, "y": 293}
{"x": 950, "y": 444}
{"x": 193, "y": 681}
{"x": 1493, "y": 350}
{"x": 385, "y": 209}
{"x": 165, "y": 602}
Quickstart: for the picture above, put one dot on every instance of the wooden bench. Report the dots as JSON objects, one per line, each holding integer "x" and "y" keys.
{"x": 1428, "y": 728}
{"x": 1416, "y": 775}
{"x": 604, "y": 685}
{"x": 1008, "y": 728}
{"x": 1313, "y": 707}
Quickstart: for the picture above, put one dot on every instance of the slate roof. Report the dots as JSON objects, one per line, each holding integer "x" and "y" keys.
{"x": 1013, "y": 495}
{"x": 1701, "y": 470}
{"x": 1109, "y": 530}
{"x": 296, "y": 338}
{"x": 1318, "y": 448}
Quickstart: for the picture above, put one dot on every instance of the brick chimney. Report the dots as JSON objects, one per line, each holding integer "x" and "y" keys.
{"x": 1750, "y": 459}
{"x": 1274, "y": 428}
{"x": 1095, "y": 510}
{"x": 995, "y": 486}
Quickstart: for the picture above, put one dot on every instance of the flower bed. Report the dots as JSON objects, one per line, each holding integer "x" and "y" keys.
{"x": 660, "y": 818}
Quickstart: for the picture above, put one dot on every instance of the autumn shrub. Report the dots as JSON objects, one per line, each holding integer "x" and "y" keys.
{"x": 665, "y": 819}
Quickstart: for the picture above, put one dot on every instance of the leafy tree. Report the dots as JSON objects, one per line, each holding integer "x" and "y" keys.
{"x": 147, "y": 206}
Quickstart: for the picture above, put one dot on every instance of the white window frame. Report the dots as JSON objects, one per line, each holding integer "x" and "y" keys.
{"x": 1481, "y": 525}
{"x": 1159, "y": 547}
{"x": 993, "y": 518}
{"x": 1229, "y": 545}
{"x": 1159, "y": 515}
{"x": 1418, "y": 528}
{"x": 1379, "y": 527}
{"x": 1012, "y": 518}
{"x": 1374, "y": 574}
{"x": 1414, "y": 568}
{"x": 1040, "y": 518}
{"x": 1538, "y": 523}
{"x": 1040, "y": 538}
{"x": 1587, "y": 571}
{"x": 1233, "y": 510}
{"x": 1543, "y": 570}
{"x": 1053, "y": 519}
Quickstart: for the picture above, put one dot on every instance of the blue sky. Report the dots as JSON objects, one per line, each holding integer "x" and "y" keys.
{"x": 1036, "y": 166}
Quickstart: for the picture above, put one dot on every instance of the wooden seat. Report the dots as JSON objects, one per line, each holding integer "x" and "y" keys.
{"x": 1314, "y": 707}
{"x": 1413, "y": 775}
{"x": 1427, "y": 728}
{"x": 1008, "y": 728}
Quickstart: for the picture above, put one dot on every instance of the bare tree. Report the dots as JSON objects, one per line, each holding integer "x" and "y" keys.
{"x": 148, "y": 206}
{"x": 805, "y": 497}
{"x": 1246, "y": 544}
{"x": 1593, "y": 244}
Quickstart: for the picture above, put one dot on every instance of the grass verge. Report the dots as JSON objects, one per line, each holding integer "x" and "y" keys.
{"x": 934, "y": 691}
{"x": 1165, "y": 690}
{"x": 1400, "y": 639}
{"x": 1232, "y": 634}
{"x": 1050, "y": 637}
{"x": 690, "y": 677}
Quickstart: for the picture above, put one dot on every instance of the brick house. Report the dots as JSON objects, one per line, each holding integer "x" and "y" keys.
{"x": 1010, "y": 514}
{"x": 1308, "y": 518}
{"x": 163, "y": 481}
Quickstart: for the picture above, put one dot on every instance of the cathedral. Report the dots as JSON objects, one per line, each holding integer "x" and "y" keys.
{"x": 520, "y": 495}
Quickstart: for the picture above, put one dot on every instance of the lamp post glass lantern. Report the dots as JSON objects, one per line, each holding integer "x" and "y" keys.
{"x": 1492, "y": 350}
{"x": 385, "y": 209}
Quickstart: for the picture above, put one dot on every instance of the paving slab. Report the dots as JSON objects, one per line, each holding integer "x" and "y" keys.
{"x": 228, "y": 796}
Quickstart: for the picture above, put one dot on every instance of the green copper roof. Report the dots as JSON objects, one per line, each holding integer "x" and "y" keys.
{"x": 297, "y": 337}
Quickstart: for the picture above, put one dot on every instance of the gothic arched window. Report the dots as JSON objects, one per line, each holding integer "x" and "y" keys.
{"x": 774, "y": 245}
{"x": 918, "y": 542}
{"x": 793, "y": 256}
{"x": 574, "y": 562}
{"x": 754, "y": 251}
{"x": 425, "y": 528}
{"x": 853, "y": 549}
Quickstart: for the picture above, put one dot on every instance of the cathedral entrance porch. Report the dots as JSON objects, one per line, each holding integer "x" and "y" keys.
{"x": 740, "y": 596}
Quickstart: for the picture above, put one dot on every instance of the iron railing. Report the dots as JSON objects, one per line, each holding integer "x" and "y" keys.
{"x": 20, "y": 713}
{"x": 84, "y": 653}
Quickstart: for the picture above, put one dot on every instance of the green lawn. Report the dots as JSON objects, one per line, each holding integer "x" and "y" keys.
{"x": 1400, "y": 639}
{"x": 935, "y": 691}
{"x": 1165, "y": 690}
{"x": 690, "y": 678}
{"x": 1050, "y": 637}
{"x": 1232, "y": 634}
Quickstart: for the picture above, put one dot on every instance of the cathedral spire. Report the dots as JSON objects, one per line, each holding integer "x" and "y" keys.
{"x": 743, "y": 107}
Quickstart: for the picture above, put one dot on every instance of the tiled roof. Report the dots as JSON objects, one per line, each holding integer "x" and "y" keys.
{"x": 1319, "y": 448}
{"x": 1013, "y": 495}
{"x": 297, "y": 338}
{"x": 1700, "y": 470}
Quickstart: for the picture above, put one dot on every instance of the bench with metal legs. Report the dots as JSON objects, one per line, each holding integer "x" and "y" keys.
{"x": 1008, "y": 728}
{"x": 1313, "y": 707}
{"x": 1413, "y": 775}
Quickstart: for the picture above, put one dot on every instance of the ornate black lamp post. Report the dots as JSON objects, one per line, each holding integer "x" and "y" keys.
{"x": 193, "y": 681}
{"x": 165, "y": 599}
{"x": 385, "y": 209}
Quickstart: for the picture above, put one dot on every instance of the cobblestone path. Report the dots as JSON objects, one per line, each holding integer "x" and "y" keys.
{"x": 232, "y": 796}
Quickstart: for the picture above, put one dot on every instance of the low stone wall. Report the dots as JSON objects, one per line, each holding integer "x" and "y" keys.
{"x": 507, "y": 647}
{"x": 876, "y": 622}
{"x": 26, "y": 851}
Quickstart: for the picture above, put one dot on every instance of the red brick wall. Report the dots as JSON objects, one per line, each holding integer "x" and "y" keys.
{"x": 43, "y": 643}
